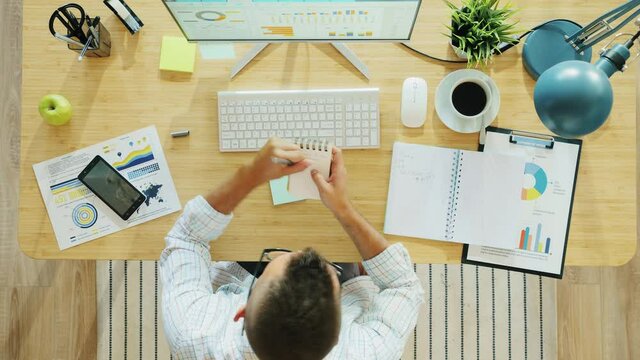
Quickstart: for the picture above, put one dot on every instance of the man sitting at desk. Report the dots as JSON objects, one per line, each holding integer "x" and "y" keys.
{"x": 297, "y": 308}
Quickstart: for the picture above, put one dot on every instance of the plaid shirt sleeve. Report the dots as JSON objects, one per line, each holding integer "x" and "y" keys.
{"x": 184, "y": 264}
{"x": 382, "y": 330}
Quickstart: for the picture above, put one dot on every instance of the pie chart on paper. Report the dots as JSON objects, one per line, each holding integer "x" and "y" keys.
{"x": 539, "y": 182}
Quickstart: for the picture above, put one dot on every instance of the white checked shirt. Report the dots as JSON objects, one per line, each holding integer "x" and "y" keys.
{"x": 201, "y": 297}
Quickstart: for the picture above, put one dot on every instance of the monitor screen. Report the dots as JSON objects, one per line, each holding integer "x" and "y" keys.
{"x": 294, "y": 20}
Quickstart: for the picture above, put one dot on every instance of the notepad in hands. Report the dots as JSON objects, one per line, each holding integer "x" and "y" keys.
{"x": 319, "y": 152}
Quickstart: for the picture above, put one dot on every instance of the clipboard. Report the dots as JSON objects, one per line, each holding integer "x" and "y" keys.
{"x": 547, "y": 195}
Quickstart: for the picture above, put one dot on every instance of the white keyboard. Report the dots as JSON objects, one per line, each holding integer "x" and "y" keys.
{"x": 348, "y": 118}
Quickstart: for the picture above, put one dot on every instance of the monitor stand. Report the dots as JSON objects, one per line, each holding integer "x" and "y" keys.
{"x": 341, "y": 47}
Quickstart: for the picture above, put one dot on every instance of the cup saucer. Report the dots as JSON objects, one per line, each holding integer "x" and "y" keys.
{"x": 449, "y": 116}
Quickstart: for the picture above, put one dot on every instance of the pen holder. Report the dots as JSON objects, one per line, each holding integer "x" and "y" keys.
{"x": 104, "y": 44}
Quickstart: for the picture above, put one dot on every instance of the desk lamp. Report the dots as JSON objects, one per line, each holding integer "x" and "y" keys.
{"x": 572, "y": 96}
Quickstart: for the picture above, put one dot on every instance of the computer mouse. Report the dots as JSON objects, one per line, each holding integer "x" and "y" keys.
{"x": 413, "y": 111}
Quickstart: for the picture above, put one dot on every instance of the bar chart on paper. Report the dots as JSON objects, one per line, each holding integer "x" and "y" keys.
{"x": 537, "y": 243}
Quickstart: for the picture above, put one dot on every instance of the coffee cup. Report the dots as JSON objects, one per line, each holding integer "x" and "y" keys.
{"x": 470, "y": 98}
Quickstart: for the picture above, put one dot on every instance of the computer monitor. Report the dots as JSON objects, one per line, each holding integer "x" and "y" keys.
{"x": 295, "y": 20}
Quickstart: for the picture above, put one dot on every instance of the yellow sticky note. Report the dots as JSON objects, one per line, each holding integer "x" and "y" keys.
{"x": 177, "y": 54}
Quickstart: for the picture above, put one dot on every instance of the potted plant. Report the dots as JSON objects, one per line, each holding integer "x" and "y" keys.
{"x": 478, "y": 27}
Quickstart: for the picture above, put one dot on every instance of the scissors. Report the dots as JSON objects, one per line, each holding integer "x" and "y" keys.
{"x": 72, "y": 23}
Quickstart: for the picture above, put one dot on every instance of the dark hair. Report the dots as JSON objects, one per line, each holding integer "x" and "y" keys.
{"x": 298, "y": 317}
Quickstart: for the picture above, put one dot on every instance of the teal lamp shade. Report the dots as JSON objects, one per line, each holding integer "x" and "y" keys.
{"x": 574, "y": 98}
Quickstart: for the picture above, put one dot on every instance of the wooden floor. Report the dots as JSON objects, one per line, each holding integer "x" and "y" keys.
{"x": 47, "y": 308}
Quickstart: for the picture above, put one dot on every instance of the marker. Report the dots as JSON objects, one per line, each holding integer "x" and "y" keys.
{"x": 181, "y": 133}
{"x": 68, "y": 40}
{"x": 85, "y": 48}
{"x": 284, "y": 162}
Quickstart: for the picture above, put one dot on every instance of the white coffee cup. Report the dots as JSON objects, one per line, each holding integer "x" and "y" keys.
{"x": 488, "y": 96}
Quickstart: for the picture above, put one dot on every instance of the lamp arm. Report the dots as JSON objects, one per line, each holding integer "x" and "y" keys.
{"x": 601, "y": 28}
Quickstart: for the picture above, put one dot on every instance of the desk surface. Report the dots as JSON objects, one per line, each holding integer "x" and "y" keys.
{"x": 126, "y": 91}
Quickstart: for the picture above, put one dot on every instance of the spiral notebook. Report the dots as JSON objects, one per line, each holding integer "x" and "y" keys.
{"x": 319, "y": 152}
{"x": 454, "y": 195}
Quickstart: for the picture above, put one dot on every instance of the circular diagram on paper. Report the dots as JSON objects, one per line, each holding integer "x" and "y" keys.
{"x": 539, "y": 182}
{"x": 84, "y": 215}
{"x": 209, "y": 15}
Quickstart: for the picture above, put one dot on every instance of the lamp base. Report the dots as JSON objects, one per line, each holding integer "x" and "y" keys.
{"x": 546, "y": 47}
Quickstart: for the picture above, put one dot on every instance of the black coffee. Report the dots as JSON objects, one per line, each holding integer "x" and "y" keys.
{"x": 469, "y": 98}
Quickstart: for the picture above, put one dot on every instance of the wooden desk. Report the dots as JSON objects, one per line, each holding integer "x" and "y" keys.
{"x": 126, "y": 91}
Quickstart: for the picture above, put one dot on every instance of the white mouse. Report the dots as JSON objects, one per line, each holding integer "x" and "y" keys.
{"x": 414, "y": 102}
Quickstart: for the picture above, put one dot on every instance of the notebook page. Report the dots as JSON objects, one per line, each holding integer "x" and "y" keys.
{"x": 301, "y": 184}
{"x": 418, "y": 191}
{"x": 489, "y": 207}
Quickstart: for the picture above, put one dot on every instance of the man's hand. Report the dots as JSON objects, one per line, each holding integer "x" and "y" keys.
{"x": 334, "y": 191}
{"x": 334, "y": 196}
{"x": 227, "y": 196}
{"x": 263, "y": 168}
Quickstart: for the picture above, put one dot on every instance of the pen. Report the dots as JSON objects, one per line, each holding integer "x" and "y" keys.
{"x": 67, "y": 40}
{"x": 92, "y": 29}
{"x": 85, "y": 48}
{"x": 285, "y": 162}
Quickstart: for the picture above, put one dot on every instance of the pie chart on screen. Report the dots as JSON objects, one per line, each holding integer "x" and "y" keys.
{"x": 535, "y": 172}
{"x": 210, "y": 15}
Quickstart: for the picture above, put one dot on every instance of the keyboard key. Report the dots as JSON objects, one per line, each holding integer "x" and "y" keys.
{"x": 228, "y": 135}
{"x": 327, "y": 125}
{"x": 353, "y": 141}
{"x": 242, "y": 144}
{"x": 339, "y": 142}
{"x": 326, "y": 133}
{"x": 226, "y": 144}
{"x": 235, "y": 144}
{"x": 365, "y": 141}
{"x": 224, "y": 127}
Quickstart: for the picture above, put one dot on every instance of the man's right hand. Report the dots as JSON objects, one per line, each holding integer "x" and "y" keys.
{"x": 333, "y": 192}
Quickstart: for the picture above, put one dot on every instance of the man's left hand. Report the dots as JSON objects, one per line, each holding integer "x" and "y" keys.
{"x": 263, "y": 168}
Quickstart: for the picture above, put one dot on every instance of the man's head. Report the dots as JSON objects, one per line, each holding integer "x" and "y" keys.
{"x": 294, "y": 309}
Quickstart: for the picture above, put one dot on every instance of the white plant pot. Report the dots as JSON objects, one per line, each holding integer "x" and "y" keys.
{"x": 461, "y": 54}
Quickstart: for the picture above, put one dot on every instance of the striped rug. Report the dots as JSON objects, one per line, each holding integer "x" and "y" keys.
{"x": 469, "y": 313}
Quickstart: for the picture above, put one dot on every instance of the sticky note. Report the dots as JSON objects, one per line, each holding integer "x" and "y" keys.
{"x": 279, "y": 191}
{"x": 177, "y": 54}
{"x": 217, "y": 51}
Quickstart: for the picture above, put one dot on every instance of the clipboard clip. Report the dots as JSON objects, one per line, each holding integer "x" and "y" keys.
{"x": 531, "y": 139}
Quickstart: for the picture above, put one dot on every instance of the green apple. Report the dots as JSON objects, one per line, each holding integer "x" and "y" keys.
{"x": 55, "y": 109}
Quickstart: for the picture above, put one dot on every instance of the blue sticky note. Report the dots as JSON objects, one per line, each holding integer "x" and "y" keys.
{"x": 279, "y": 191}
{"x": 217, "y": 51}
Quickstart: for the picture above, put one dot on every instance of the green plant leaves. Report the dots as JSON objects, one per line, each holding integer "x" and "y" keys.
{"x": 479, "y": 26}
